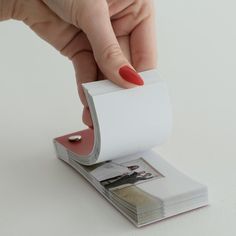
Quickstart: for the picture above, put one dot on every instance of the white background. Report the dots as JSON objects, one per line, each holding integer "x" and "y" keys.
{"x": 39, "y": 195}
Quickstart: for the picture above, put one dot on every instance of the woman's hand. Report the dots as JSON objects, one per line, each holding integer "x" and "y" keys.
{"x": 103, "y": 38}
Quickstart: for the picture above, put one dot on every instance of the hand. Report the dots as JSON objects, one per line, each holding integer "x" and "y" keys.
{"x": 105, "y": 39}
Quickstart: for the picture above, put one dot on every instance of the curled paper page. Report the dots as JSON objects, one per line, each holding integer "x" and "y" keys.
{"x": 126, "y": 121}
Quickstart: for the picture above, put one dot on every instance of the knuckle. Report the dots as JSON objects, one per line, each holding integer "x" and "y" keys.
{"x": 144, "y": 8}
{"x": 75, "y": 10}
{"x": 111, "y": 52}
{"x": 89, "y": 10}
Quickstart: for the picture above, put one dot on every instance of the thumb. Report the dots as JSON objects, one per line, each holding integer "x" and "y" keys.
{"x": 107, "y": 52}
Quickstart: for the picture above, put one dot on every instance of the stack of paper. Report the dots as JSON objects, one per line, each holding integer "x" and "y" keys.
{"x": 143, "y": 187}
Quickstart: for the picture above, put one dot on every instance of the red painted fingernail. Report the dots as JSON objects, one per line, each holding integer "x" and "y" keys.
{"x": 130, "y": 75}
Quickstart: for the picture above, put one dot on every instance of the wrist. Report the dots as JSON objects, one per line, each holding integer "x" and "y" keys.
{"x": 7, "y": 9}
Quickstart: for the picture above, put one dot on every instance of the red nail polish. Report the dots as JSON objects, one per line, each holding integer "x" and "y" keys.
{"x": 130, "y": 75}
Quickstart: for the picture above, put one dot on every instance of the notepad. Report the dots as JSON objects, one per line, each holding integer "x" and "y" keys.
{"x": 116, "y": 157}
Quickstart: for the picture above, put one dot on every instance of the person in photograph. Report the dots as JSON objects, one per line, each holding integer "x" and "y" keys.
{"x": 116, "y": 178}
{"x": 129, "y": 179}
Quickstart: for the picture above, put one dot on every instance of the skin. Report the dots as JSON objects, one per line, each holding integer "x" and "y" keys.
{"x": 98, "y": 36}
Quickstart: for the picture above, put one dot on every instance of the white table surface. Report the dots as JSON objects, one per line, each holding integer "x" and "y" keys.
{"x": 40, "y": 195}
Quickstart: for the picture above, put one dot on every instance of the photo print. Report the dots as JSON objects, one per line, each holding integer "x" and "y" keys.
{"x": 112, "y": 174}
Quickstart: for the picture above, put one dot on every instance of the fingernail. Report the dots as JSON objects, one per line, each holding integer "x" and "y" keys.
{"x": 130, "y": 75}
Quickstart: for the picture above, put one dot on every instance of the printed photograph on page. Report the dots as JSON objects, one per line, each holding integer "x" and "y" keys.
{"x": 112, "y": 174}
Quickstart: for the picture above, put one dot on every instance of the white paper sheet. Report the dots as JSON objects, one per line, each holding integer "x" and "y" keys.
{"x": 128, "y": 121}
